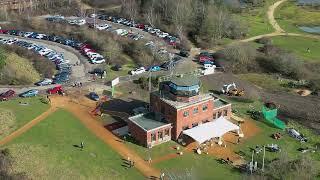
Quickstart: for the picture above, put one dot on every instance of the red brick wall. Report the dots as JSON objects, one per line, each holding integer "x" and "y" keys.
{"x": 137, "y": 133}
{"x": 225, "y": 111}
{"x": 158, "y": 141}
{"x": 193, "y": 118}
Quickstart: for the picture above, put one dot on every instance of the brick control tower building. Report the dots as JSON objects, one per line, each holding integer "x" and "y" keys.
{"x": 178, "y": 105}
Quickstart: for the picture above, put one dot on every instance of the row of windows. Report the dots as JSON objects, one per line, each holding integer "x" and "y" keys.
{"x": 160, "y": 135}
{"x": 195, "y": 110}
{"x": 194, "y": 125}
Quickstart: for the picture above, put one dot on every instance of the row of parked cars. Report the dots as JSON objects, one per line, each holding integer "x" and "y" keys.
{"x": 170, "y": 39}
{"x": 5, "y": 96}
{"x": 94, "y": 57}
{"x": 62, "y": 64}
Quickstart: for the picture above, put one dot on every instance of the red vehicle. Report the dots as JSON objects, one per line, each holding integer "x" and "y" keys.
{"x": 203, "y": 59}
{"x": 2, "y": 31}
{"x": 7, "y": 95}
{"x": 55, "y": 90}
{"x": 140, "y": 26}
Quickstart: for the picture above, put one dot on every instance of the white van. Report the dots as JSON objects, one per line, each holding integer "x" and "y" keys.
{"x": 208, "y": 66}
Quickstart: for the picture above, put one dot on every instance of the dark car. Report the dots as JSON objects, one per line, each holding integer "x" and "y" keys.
{"x": 184, "y": 53}
{"x": 7, "y": 95}
{"x": 94, "y": 96}
{"x": 117, "y": 67}
{"x": 97, "y": 71}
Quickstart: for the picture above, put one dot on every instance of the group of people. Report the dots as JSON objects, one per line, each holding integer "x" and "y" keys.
{"x": 77, "y": 84}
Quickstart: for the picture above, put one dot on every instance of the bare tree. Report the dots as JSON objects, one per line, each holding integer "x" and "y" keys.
{"x": 151, "y": 15}
{"x": 181, "y": 16}
{"x": 129, "y": 8}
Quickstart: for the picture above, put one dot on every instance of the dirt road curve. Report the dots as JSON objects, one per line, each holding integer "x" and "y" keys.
{"x": 27, "y": 126}
{"x": 271, "y": 18}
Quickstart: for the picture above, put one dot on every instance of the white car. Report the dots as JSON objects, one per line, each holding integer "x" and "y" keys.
{"x": 11, "y": 41}
{"x": 103, "y": 27}
{"x": 72, "y": 22}
{"x": 27, "y": 34}
{"x": 138, "y": 71}
{"x": 81, "y": 22}
{"x": 98, "y": 60}
{"x": 40, "y": 36}
{"x": 44, "y": 82}
{"x": 163, "y": 35}
{"x": 93, "y": 15}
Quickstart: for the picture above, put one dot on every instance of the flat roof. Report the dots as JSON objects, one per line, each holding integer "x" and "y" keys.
{"x": 147, "y": 121}
{"x": 219, "y": 103}
{"x": 185, "y": 80}
{"x": 179, "y": 105}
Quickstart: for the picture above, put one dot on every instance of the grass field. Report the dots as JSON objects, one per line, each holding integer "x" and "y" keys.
{"x": 18, "y": 69}
{"x": 299, "y": 46}
{"x": 47, "y": 151}
{"x": 22, "y": 113}
{"x": 264, "y": 81}
{"x": 257, "y": 20}
{"x": 289, "y": 16}
{"x": 128, "y": 66}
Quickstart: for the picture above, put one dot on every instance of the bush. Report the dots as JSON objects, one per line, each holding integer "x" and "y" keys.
{"x": 238, "y": 58}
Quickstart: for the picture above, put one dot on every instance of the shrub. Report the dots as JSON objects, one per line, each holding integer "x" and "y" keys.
{"x": 238, "y": 58}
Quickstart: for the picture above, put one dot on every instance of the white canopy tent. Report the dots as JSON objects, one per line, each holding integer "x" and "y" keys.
{"x": 210, "y": 130}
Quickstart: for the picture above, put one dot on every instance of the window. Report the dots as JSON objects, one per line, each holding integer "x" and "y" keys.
{"x": 225, "y": 112}
{"x": 163, "y": 109}
{"x": 186, "y": 114}
{"x": 219, "y": 114}
{"x": 214, "y": 116}
{"x": 195, "y": 110}
{"x": 185, "y": 127}
{"x": 204, "y": 107}
{"x": 194, "y": 124}
{"x": 205, "y": 121}
{"x": 160, "y": 135}
{"x": 166, "y": 132}
{"x": 153, "y": 137}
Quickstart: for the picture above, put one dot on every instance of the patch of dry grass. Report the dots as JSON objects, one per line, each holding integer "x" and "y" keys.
{"x": 7, "y": 122}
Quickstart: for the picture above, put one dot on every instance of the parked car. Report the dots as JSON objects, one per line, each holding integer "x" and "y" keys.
{"x": 117, "y": 67}
{"x": 138, "y": 71}
{"x": 94, "y": 96}
{"x": 44, "y": 82}
{"x": 55, "y": 90}
{"x": 7, "y": 95}
{"x": 184, "y": 53}
{"x": 154, "y": 68}
{"x": 30, "y": 93}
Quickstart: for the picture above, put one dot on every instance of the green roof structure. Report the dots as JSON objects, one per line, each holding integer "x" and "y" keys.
{"x": 185, "y": 80}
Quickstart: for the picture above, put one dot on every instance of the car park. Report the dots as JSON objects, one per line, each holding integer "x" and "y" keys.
{"x": 44, "y": 82}
{"x": 94, "y": 96}
{"x": 7, "y": 95}
{"x": 30, "y": 93}
{"x": 138, "y": 71}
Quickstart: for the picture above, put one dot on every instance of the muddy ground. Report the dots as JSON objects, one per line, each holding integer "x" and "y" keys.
{"x": 304, "y": 110}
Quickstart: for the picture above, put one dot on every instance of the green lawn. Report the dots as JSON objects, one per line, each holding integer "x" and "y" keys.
{"x": 299, "y": 46}
{"x": 265, "y": 81}
{"x": 257, "y": 20}
{"x": 22, "y": 113}
{"x": 47, "y": 152}
{"x": 204, "y": 167}
{"x": 155, "y": 152}
{"x": 290, "y": 16}
{"x": 128, "y": 66}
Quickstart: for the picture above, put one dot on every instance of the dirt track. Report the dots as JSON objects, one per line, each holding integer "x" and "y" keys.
{"x": 82, "y": 112}
{"x": 27, "y": 126}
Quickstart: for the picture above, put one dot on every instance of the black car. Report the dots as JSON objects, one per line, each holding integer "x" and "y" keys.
{"x": 97, "y": 71}
{"x": 184, "y": 53}
{"x": 117, "y": 67}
